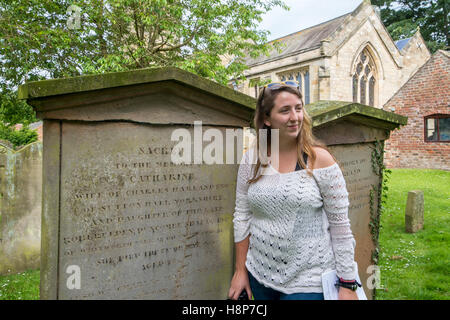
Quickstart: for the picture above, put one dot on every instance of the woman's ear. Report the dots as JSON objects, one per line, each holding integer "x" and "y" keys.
{"x": 267, "y": 122}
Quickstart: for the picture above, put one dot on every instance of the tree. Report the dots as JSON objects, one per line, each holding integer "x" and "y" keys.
{"x": 38, "y": 42}
{"x": 14, "y": 111}
{"x": 115, "y": 35}
{"x": 403, "y": 17}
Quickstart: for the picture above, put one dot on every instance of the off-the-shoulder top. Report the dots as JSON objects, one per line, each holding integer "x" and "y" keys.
{"x": 298, "y": 226}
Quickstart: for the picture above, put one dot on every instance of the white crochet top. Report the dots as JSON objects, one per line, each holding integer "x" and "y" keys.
{"x": 295, "y": 234}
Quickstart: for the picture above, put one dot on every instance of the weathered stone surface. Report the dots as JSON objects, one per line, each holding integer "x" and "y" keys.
{"x": 138, "y": 225}
{"x": 355, "y": 162}
{"x": 414, "y": 211}
{"x": 324, "y": 112}
{"x": 117, "y": 211}
{"x": 55, "y": 87}
{"x": 20, "y": 208}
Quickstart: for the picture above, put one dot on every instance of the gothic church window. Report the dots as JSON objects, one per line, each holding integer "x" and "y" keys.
{"x": 299, "y": 78}
{"x": 307, "y": 87}
{"x": 302, "y": 77}
{"x": 364, "y": 79}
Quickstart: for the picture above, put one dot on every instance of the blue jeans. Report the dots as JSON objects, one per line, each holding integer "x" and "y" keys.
{"x": 261, "y": 292}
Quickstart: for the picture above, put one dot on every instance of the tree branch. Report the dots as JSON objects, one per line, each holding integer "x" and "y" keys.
{"x": 194, "y": 32}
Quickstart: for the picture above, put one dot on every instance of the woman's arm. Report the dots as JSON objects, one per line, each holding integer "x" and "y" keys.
{"x": 240, "y": 279}
{"x": 241, "y": 222}
{"x": 335, "y": 202}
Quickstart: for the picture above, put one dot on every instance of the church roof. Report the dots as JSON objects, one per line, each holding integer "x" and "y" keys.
{"x": 303, "y": 40}
{"x": 402, "y": 43}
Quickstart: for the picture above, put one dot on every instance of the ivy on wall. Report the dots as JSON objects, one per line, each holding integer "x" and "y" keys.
{"x": 378, "y": 193}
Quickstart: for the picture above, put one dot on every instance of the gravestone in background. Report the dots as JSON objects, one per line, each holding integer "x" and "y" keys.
{"x": 414, "y": 211}
{"x": 116, "y": 209}
{"x": 20, "y": 207}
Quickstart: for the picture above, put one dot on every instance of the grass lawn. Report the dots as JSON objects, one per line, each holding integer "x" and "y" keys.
{"x": 416, "y": 266}
{"x": 21, "y": 286}
{"x": 413, "y": 266}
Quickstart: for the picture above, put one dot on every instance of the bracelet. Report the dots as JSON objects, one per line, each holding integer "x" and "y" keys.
{"x": 352, "y": 285}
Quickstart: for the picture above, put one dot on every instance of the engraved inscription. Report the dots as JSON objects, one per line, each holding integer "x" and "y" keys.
{"x": 138, "y": 225}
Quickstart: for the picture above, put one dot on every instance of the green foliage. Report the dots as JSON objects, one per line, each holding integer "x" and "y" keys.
{"x": 17, "y": 138}
{"x": 14, "y": 111}
{"x": 21, "y": 286}
{"x": 378, "y": 193}
{"x": 38, "y": 42}
{"x": 403, "y": 17}
{"x": 117, "y": 35}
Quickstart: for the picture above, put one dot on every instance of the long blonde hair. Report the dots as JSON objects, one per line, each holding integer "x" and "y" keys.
{"x": 305, "y": 139}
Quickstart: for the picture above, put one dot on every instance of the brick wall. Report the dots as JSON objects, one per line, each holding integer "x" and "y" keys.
{"x": 426, "y": 93}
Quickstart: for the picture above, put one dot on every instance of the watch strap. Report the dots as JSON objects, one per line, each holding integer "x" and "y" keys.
{"x": 349, "y": 284}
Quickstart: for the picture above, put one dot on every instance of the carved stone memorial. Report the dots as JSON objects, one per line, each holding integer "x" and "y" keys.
{"x": 120, "y": 219}
{"x": 20, "y": 207}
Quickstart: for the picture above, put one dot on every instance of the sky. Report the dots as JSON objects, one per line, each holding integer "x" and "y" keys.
{"x": 304, "y": 14}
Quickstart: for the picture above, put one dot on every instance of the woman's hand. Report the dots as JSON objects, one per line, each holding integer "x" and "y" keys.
{"x": 347, "y": 294}
{"x": 238, "y": 283}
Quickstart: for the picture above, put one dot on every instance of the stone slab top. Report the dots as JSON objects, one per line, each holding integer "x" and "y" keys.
{"x": 321, "y": 112}
{"x": 326, "y": 111}
{"x": 54, "y": 87}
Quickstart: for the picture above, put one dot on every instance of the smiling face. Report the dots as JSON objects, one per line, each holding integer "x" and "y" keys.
{"x": 286, "y": 115}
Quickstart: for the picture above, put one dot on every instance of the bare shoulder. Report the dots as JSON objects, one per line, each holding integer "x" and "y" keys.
{"x": 323, "y": 158}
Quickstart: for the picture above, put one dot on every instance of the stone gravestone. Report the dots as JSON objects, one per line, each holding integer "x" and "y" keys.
{"x": 355, "y": 135}
{"x": 414, "y": 211}
{"x": 120, "y": 219}
{"x": 20, "y": 207}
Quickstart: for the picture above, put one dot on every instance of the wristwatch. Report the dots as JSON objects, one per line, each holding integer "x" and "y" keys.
{"x": 349, "y": 284}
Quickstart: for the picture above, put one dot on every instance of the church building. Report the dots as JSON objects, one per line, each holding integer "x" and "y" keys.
{"x": 349, "y": 58}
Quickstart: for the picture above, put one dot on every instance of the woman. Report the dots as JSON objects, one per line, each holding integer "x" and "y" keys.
{"x": 290, "y": 221}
